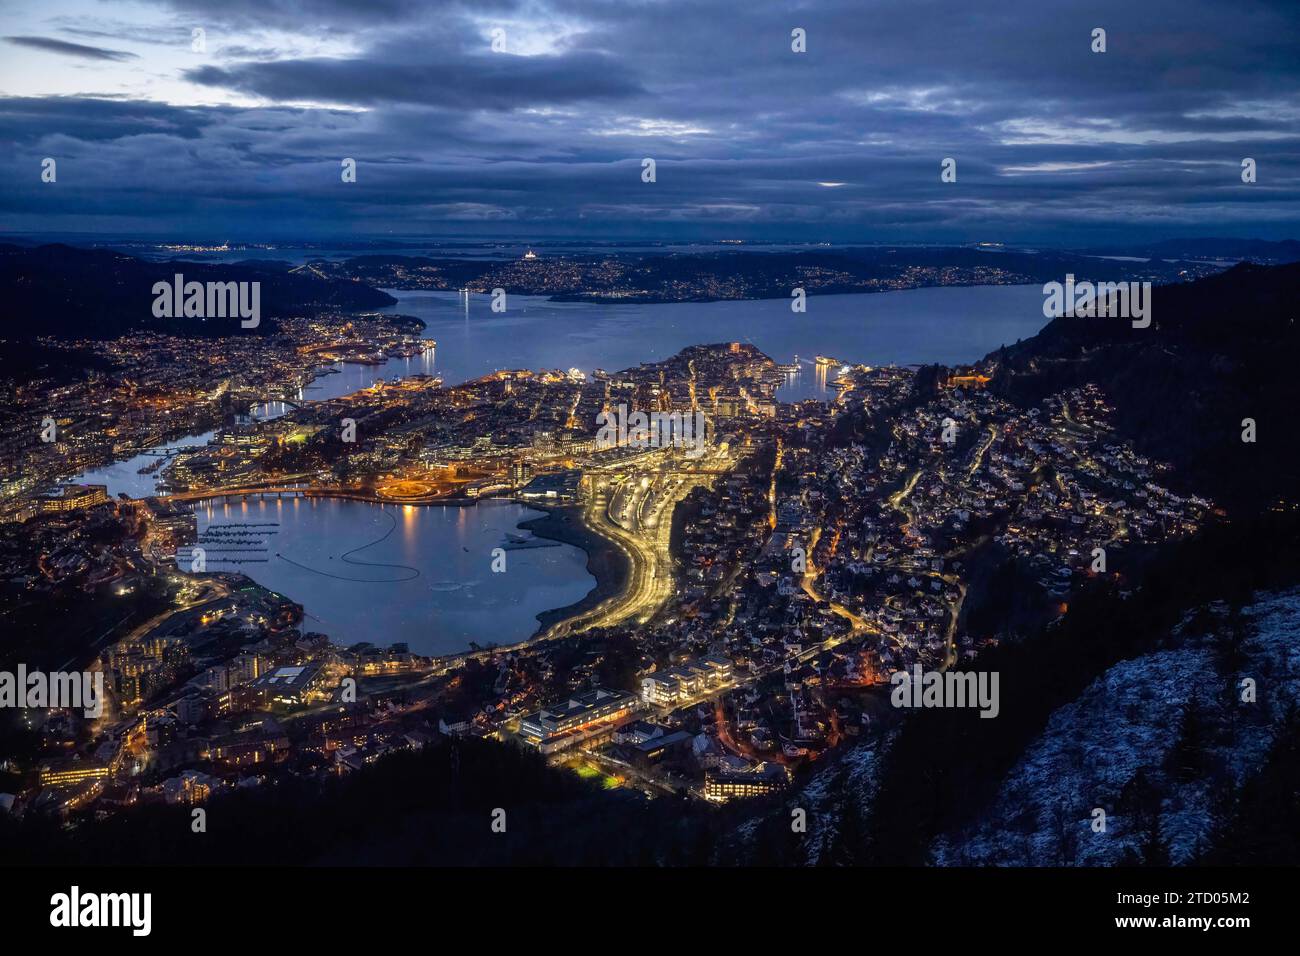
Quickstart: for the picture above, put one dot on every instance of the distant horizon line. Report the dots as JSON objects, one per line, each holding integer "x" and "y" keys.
{"x": 481, "y": 240}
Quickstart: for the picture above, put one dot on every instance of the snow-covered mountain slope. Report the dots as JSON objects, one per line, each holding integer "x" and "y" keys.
{"x": 1154, "y": 742}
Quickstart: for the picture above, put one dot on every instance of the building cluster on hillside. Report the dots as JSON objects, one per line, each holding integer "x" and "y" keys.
{"x": 815, "y": 549}
{"x": 146, "y": 389}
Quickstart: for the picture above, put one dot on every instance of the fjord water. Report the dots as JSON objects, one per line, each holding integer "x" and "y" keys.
{"x": 951, "y": 325}
{"x": 392, "y": 573}
{"x": 455, "y": 598}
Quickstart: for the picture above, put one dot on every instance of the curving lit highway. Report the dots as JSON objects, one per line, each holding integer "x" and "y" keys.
{"x": 634, "y": 510}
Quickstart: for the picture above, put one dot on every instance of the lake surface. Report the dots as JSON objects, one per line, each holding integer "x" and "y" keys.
{"x": 397, "y": 573}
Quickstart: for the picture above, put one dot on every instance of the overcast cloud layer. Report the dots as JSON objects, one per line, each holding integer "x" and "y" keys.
{"x": 1054, "y": 143}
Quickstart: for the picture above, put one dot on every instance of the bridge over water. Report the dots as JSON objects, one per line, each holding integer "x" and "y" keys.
{"x": 156, "y": 452}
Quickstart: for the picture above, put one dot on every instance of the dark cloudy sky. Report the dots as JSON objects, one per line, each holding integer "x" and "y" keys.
{"x": 1054, "y": 143}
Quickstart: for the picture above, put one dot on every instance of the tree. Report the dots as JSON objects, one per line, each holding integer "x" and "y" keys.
{"x": 1187, "y": 759}
{"x": 848, "y": 846}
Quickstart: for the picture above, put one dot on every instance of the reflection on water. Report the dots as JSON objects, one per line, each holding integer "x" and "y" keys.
{"x": 124, "y": 476}
{"x": 344, "y": 378}
{"x": 946, "y": 325}
{"x": 455, "y": 598}
{"x": 396, "y": 573}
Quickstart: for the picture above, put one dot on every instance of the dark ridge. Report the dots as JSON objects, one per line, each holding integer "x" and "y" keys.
{"x": 1218, "y": 350}
{"x": 57, "y": 290}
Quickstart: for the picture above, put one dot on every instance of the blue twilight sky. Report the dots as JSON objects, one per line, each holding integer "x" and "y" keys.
{"x": 1054, "y": 143}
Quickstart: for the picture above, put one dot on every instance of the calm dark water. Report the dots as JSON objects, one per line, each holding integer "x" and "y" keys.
{"x": 391, "y": 573}
{"x": 947, "y": 325}
{"x": 951, "y": 326}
